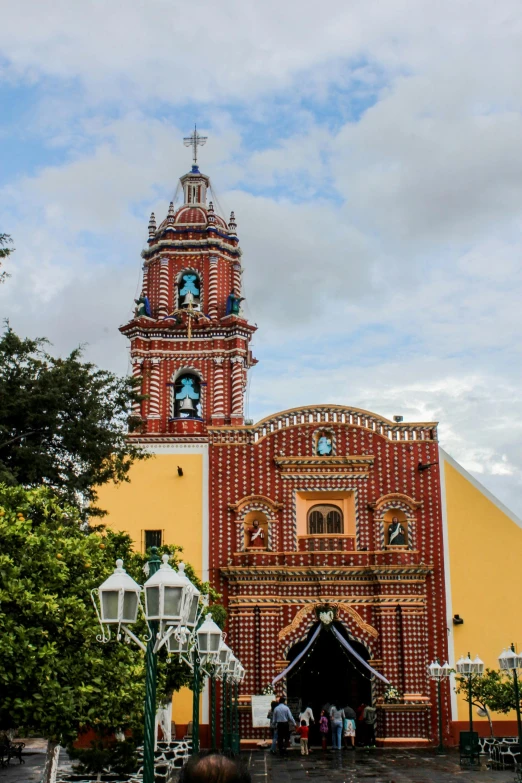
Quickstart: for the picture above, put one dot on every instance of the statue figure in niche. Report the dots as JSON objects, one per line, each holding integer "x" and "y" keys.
{"x": 396, "y": 533}
{"x": 324, "y": 445}
{"x": 190, "y": 291}
{"x": 187, "y": 399}
{"x": 234, "y": 303}
{"x": 142, "y": 306}
{"x": 256, "y": 535}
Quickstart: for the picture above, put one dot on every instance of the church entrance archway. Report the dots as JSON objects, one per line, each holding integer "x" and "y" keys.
{"x": 328, "y": 673}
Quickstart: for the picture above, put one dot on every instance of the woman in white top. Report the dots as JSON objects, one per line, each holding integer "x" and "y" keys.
{"x": 307, "y": 716}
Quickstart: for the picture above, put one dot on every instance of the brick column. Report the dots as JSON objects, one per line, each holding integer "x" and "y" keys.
{"x": 137, "y": 374}
{"x": 218, "y": 402}
{"x": 213, "y": 288}
{"x": 236, "y": 415}
{"x": 164, "y": 288}
{"x": 154, "y": 389}
{"x": 236, "y": 278}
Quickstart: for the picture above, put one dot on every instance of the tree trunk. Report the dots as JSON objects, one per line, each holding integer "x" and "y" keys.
{"x": 51, "y": 762}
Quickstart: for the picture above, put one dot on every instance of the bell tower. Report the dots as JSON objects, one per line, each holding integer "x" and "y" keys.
{"x": 189, "y": 340}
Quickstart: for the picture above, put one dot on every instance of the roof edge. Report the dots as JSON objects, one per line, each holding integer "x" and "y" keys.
{"x": 477, "y": 484}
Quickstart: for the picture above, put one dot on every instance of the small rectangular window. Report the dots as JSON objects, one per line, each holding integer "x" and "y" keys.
{"x": 152, "y": 538}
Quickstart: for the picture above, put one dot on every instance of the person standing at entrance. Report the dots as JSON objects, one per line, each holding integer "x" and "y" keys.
{"x": 273, "y": 726}
{"x": 349, "y": 728}
{"x": 370, "y": 718}
{"x": 308, "y": 716}
{"x": 360, "y": 725}
{"x": 323, "y": 728}
{"x": 336, "y": 716}
{"x": 282, "y": 718}
{"x": 303, "y": 733}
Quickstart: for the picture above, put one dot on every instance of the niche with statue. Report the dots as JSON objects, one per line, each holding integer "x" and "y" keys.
{"x": 395, "y": 529}
{"x": 256, "y": 530}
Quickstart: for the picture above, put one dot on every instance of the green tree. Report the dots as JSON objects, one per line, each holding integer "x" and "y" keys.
{"x": 493, "y": 692}
{"x": 56, "y": 678}
{"x": 63, "y": 422}
{"x": 5, "y": 251}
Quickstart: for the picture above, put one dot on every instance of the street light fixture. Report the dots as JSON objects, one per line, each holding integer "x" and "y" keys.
{"x": 170, "y": 599}
{"x": 209, "y": 636}
{"x": 173, "y": 611}
{"x": 119, "y": 599}
{"x": 470, "y": 669}
{"x": 508, "y": 660}
{"x": 438, "y": 674}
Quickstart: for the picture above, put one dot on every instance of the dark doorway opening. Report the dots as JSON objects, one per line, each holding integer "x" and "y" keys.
{"x": 328, "y": 674}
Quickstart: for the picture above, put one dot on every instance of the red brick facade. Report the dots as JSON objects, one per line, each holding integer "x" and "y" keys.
{"x": 389, "y": 598}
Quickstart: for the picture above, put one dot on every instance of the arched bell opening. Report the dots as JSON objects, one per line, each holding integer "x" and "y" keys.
{"x": 189, "y": 290}
{"x": 187, "y": 397}
{"x": 328, "y": 674}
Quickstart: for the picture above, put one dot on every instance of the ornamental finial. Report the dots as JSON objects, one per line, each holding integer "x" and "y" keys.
{"x": 152, "y": 224}
{"x": 232, "y": 225}
{"x": 195, "y": 141}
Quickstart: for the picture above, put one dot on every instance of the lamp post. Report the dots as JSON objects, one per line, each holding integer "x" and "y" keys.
{"x": 509, "y": 661}
{"x": 470, "y": 669}
{"x": 171, "y": 608}
{"x": 438, "y": 674}
{"x": 236, "y": 675}
{"x": 205, "y": 653}
{"x": 219, "y": 672}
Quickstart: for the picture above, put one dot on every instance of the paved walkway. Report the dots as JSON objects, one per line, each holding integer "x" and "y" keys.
{"x": 30, "y": 771}
{"x": 375, "y": 766}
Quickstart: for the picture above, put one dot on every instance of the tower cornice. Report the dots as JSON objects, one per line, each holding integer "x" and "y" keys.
{"x": 192, "y": 244}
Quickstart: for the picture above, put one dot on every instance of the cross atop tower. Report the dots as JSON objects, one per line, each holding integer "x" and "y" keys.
{"x": 195, "y": 141}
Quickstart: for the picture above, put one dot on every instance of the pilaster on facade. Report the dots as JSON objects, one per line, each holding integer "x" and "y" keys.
{"x": 237, "y": 363}
{"x": 164, "y": 287}
{"x": 237, "y": 272}
{"x": 154, "y": 399}
{"x": 137, "y": 364}
{"x": 218, "y": 411}
{"x": 213, "y": 288}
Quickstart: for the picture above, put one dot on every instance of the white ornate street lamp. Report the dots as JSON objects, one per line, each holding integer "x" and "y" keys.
{"x": 509, "y": 661}
{"x": 439, "y": 673}
{"x": 171, "y": 604}
{"x": 209, "y": 636}
{"x": 470, "y": 669}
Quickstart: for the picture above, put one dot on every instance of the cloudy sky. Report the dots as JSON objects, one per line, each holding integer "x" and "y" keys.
{"x": 372, "y": 152}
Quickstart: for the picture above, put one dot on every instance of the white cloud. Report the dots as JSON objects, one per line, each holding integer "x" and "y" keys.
{"x": 381, "y": 251}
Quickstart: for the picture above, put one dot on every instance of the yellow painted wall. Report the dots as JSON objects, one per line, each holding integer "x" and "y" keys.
{"x": 156, "y": 498}
{"x": 485, "y": 554}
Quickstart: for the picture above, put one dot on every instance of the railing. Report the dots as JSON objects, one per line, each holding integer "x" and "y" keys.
{"x": 323, "y": 416}
{"x": 326, "y": 543}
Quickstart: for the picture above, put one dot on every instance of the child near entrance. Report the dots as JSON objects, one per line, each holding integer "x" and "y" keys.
{"x": 323, "y": 728}
{"x": 303, "y": 733}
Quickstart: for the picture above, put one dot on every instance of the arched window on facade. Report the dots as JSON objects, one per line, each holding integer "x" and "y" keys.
{"x": 325, "y": 520}
{"x": 189, "y": 290}
{"x": 187, "y": 397}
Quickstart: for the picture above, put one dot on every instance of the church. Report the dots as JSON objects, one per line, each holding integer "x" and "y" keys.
{"x": 328, "y": 529}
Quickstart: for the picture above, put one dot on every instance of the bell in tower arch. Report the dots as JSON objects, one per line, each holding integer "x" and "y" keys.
{"x": 189, "y": 288}
{"x": 186, "y": 397}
